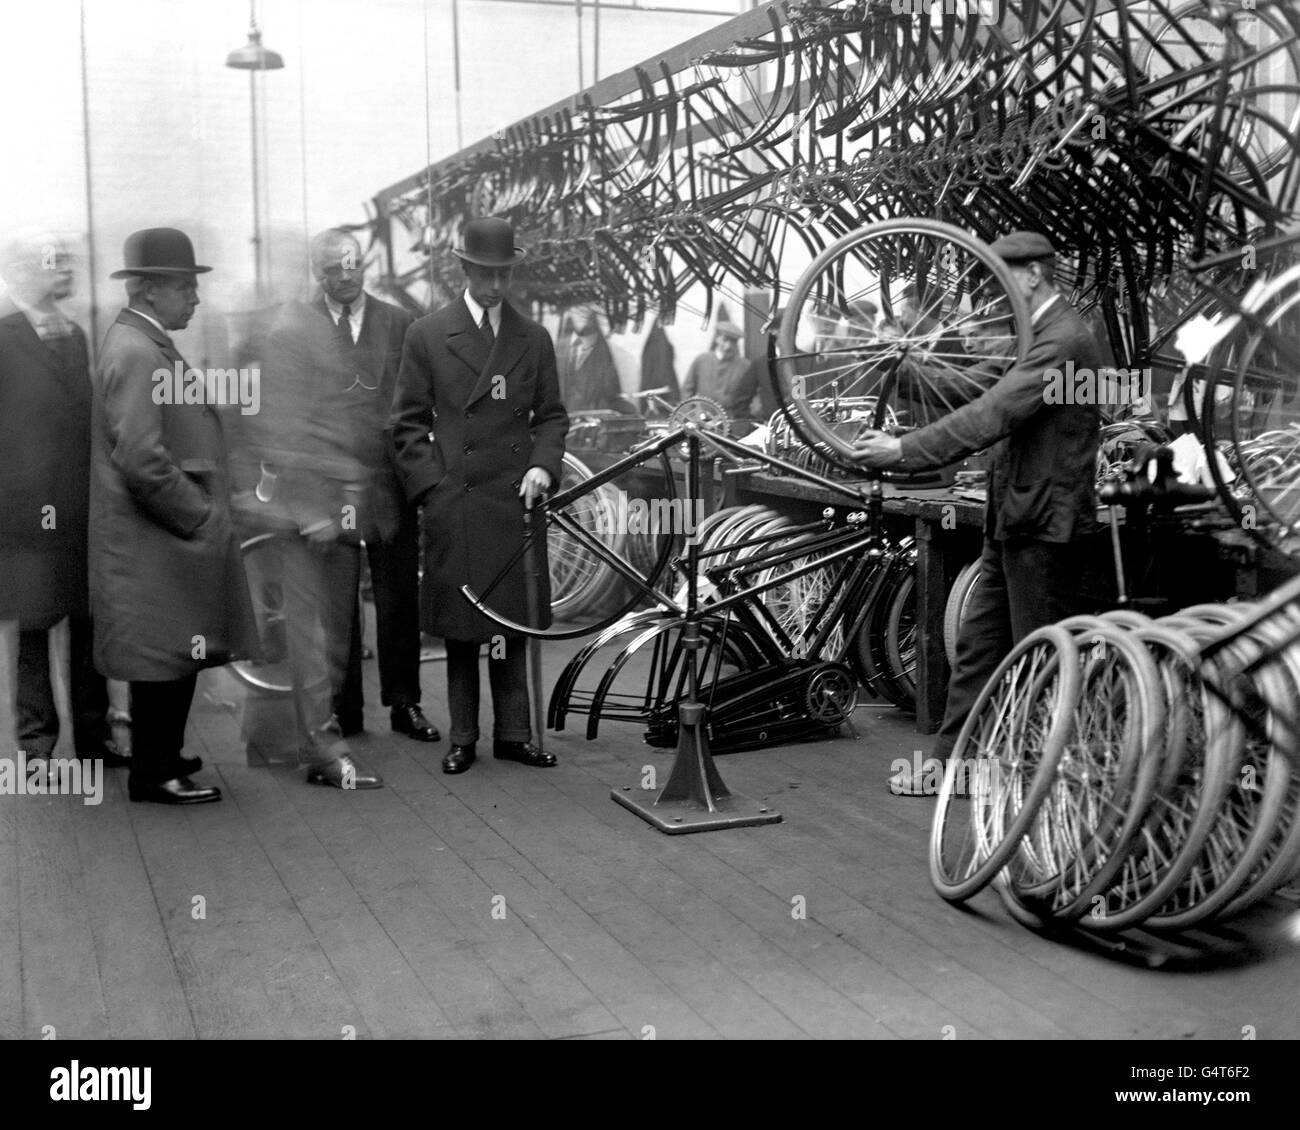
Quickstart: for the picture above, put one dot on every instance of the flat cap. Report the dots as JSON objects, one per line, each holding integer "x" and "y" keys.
{"x": 1021, "y": 246}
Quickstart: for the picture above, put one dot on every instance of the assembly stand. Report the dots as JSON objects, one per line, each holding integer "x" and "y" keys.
{"x": 695, "y": 798}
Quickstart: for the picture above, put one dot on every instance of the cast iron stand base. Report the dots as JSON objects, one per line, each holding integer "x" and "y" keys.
{"x": 694, "y": 799}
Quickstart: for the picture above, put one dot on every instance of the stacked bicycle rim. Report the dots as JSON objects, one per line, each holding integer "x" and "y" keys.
{"x": 1119, "y": 771}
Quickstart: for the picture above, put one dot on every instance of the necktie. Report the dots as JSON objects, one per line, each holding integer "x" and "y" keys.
{"x": 485, "y": 327}
{"x": 345, "y": 325}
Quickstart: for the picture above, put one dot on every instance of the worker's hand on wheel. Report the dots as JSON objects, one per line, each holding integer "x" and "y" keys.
{"x": 875, "y": 449}
{"x": 536, "y": 484}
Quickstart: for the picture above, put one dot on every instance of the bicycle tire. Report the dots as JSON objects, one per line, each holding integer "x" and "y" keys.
{"x": 959, "y": 874}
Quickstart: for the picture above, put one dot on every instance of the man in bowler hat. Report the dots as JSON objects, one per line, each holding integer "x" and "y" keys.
{"x": 167, "y": 589}
{"x": 1040, "y": 487}
{"x": 479, "y": 430}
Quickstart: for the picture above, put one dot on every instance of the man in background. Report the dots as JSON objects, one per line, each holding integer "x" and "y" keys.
{"x": 588, "y": 378}
{"x": 320, "y": 443}
{"x": 45, "y": 493}
{"x": 716, "y": 373}
{"x": 370, "y": 333}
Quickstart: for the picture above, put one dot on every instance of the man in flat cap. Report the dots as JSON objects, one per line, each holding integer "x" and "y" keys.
{"x": 716, "y": 374}
{"x": 167, "y": 589}
{"x": 479, "y": 429}
{"x": 1040, "y": 488}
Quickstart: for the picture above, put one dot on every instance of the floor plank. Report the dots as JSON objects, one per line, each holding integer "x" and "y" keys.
{"x": 330, "y": 914}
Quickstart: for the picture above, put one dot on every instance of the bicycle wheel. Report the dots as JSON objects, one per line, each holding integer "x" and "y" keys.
{"x": 1006, "y": 754}
{"x": 264, "y": 569}
{"x": 796, "y": 603}
{"x": 1283, "y": 851}
{"x": 954, "y": 320}
{"x": 1102, "y": 784}
{"x": 1195, "y": 760}
{"x": 870, "y": 646}
{"x": 954, "y": 610}
{"x": 569, "y": 513}
{"x": 577, "y": 577}
{"x": 1245, "y": 818}
{"x": 1264, "y": 417}
{"x": 900, "y": 635}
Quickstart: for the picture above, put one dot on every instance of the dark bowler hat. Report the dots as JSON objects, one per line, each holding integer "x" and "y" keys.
{"x": 489, "y": 242}
{"x": 158, "y": 251}
{"x": 1023, "y": 247}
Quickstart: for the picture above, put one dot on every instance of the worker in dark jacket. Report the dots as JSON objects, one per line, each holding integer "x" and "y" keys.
{"x": 1040, "y": 488}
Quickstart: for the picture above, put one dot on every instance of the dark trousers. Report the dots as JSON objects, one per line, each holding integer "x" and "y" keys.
{"x": 394, "y": 574}
{"x": 508, "y": 677}
{"x": 159, "y": 712}
{"x": 1024, "y": 584}
{"x": 38, "y": 717}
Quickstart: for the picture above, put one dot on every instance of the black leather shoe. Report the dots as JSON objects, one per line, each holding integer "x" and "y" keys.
{"x": 459, "y": 758}
{"x": 409, "y": 719}
{"x": 179, "y": 790}
{"x": 524, "y": 752}
{"x": 344, "y": 773}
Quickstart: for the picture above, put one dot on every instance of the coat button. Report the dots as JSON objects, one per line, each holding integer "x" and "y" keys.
{"x": 469, "y": 449}
{"x": 514, "y": 447}
{"x": 469, "y": 487}
{"x": 517, "y": 483}
{"x": 519, "y": 412}
{"x": 469, "y": 413}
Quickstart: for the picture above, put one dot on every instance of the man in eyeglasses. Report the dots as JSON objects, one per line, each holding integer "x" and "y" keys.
{"x": 393, "y": 537}
{"x": 326, "y": 485}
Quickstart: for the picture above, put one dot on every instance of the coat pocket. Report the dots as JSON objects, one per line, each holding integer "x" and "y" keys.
{"x": 1027, "y": 508}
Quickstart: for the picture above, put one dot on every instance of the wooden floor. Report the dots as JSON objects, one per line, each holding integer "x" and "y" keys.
{"x": 512, "y": 902}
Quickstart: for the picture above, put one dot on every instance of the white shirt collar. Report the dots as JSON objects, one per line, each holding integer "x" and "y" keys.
{"x": 49, "y": 321}
{"x": 355, "y": 312}
{"x": 149, "y": 318}
{"x": 1037, "y": 314}
{"x": 476, "y": 312}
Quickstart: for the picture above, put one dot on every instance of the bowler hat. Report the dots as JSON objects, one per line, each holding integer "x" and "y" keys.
{"x": 158, "y": 251}
{"x": 489, "y": 242}
{"x": 1023, "y": 247}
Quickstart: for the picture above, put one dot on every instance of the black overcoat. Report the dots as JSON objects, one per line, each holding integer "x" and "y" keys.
{"x": 44, "y": 473}
{"x": 467, "y": 424}
{"x": 167, "y": 587}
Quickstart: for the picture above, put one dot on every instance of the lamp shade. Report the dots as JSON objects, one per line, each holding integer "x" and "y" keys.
{"x": 253, "y": 56}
